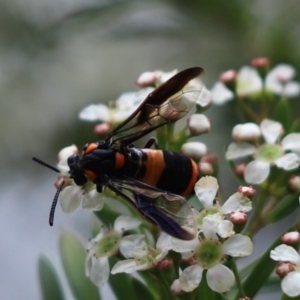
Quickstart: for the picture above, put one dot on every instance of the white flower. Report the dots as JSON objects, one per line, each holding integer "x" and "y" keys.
{"x": 219, "y": 277}
{"x": 206, "y": 190}
{"x": 104, "y": 245}
{"x": 249, "y": 83}
{"x": 273, "y": 152}
{"x": 290, "y": 283}
{"x": 139, "y": 254}
{"x": 72, "y": 195}
{"x": 123, "y": 107}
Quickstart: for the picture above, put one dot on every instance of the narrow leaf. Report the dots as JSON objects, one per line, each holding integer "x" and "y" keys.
{"x": 73, "y": 257}
{"x": 49, "y": 281}
{"x": 121, "y": 283}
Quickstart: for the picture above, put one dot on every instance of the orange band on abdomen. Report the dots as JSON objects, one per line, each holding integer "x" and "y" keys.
{"x": 193, "y": 180}
{"x": 155, "y": 165}
{"x": 119, "y": 160}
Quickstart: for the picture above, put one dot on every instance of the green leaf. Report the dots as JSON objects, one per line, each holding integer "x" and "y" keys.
{"x": 49, "y": 281}
{"x": 73, "y": 257}
{"x": 284, "y": 208}
{"x": 204, "y": 291}
{"x": 141, "y": 290}
{"x": 260, "y": 273}
{"x": 121, "y": 279}
{"x": 282, "y": 113}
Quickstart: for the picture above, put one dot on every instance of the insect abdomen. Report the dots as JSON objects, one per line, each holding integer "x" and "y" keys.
{"x": 166, "y": 170}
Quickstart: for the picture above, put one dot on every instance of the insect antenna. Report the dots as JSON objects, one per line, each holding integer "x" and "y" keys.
{"x": 39, "y": 161}
{"x": 54, "y": 202}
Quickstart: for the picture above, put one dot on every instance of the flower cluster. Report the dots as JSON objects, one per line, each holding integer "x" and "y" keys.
{"x": 265, "y": 152}
{"x": 273, "y": 150}
{"x": 288, "y": 267}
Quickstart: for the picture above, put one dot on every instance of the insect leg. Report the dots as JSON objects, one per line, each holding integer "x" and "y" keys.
{"x": 152, "y": 142}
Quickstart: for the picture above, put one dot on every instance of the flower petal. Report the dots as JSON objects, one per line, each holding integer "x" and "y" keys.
{"x": 285, "y": 253}
{"x": 127, "y": 266}
{"x": 99, "y": 271}
{"x": 291, "y": 89}
{"x": 70, "y": 198}
{"x": 290, "y": 284}
{"x": 225, "y": 229}
{"x": 292, "y": 142}
{"x": 190, "y": 278}
{"x": 95, "y": 112}
{"x": 237, "y": 202}
{"x": 271, "y": 130}
{"x": 238, "y": 150}
{"x": 220, "y": 94}
{"x": 248, "y": 81}
{"x": 257, "y": 172}
{"x": 92, "y": 200}
{"x": 281, "y": 72}
{"x": 205, "y": 97}
{"x": 133, "y": 246}
{"x": 238, "y": 245}
{"x": 123, "y": 223}
{"x": 206, "y": 190}
{"x": 288, "y": 161}
{"x": 220, "y": 279}
{"x": 167, "y": 242}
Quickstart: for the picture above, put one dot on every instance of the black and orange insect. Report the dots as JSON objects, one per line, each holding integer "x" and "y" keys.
{"x": 154, "y": 181}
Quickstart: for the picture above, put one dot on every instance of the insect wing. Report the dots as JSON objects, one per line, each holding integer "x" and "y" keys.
{"x": 169, "y": 211}
{"x": 168, "y": 103}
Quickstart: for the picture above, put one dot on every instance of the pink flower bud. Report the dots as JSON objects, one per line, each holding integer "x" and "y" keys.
{"x": 238, "y": 217}
{"x": 228, "y": 76}
{"x": 291, "y": 238}
{"x": 246, "y": 132}
{"x": 205, "y": 168}
{"x": 165, "y": 264}
{"x": 194, "y": 150}
{"x": 146, "y": 79}
{"x": 239, "y": 169}
{"x": 260, "y": 62}
{"x": 176, "y": 288}
{"x": 294, "y": 184}
{"x": 102, "y": 129}
{"x": 248, "y": 191}
{"x": 283, "y": 268}
{"x": 198, "y": 124}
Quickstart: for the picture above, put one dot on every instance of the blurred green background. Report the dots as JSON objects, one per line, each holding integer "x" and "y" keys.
{"x": 58, "y": 56}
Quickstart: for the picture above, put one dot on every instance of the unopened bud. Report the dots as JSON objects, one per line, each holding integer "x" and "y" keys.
{"x": 248, "y": 191}
{"x": 176, "y": 288}
{"x": 205, "y": 168}
{"x": 283, "y": 268}
{"x": 194, "y": 150}
{"x": 294, "y": 184}
{"x": 165, "y": 264}
{"x": 291, "y": 238}
{"x": 198, "y": 124}
{"x": 238, "y": 217}
{"x": 246, "y": 132}
{"x": 239, "y": 169}
{"x": 229, "y": 79}
{"x": 102, "y": 129}
{"x": 146, "y": 79}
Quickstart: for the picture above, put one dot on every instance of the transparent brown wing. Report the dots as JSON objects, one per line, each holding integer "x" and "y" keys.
{"x": 168, "y": 103}
{"x": 169, "y": 211}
